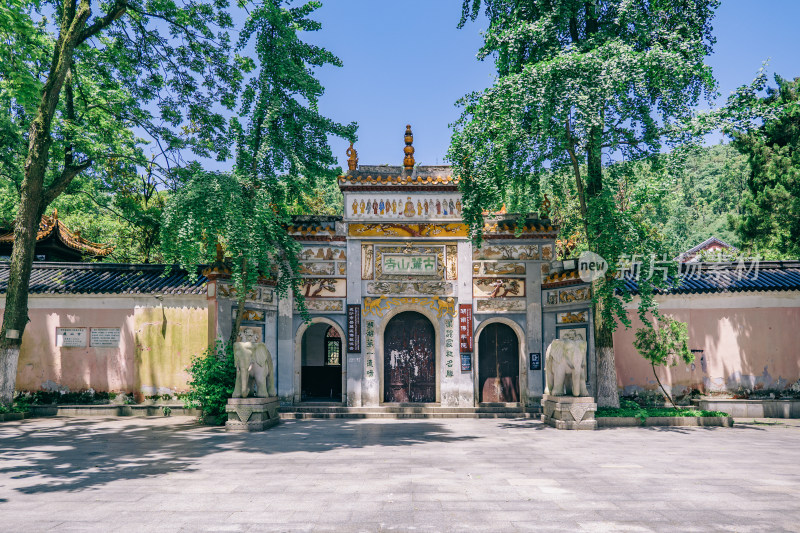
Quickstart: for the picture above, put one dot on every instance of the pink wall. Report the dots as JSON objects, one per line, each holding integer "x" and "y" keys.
{"x": 742, "y": 347}
{"x": 103, "y": 369}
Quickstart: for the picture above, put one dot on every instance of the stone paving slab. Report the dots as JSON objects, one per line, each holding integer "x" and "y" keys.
{"x": 171, "y": 475}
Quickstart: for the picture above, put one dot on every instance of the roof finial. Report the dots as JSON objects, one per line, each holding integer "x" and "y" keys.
{"x": 352, "y": 157}
{"x": 408, "y": 160}
{"x": 55, "y": 214}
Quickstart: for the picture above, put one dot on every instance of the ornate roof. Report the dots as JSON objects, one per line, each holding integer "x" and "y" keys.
{"x": 52, "y": 226}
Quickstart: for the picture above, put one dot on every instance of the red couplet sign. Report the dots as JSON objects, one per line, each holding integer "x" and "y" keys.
{"x": 465, "y": 327}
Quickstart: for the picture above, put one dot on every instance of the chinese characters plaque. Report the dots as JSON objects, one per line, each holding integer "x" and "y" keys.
{"x": 354, "y": 328}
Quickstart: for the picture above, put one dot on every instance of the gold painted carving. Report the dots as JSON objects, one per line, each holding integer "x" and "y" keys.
{"x": 378, "y": 306}
{"x": 452, "y": 261}
{"x": 408, "y": 230}
{"x": 352, "y": 158}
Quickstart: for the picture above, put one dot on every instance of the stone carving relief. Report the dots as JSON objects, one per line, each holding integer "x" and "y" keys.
{"x": 497, "y": 287}
{"x": 571, "y": 317}
{"x": 568, "y": 296}
{"x": 501, "y": 305}
{"x": 497, "y": 268}
{"x": 367, "y": 252}
{"x": 258, "y": 294}
{"x": 521, "y": 252}
{"x": 324, "y": 306}
{"x": 322, "y": 253}
{"x": 324, "y": 288}
{"x": 437, "y": 288}
{"x": 382, "y": 304}
{"x": 452, "y": 261}
{"x": 317, "y": 269}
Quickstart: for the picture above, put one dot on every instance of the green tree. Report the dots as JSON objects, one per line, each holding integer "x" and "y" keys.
{"x": 73, "y": 85}
{"x": 282, "y": 152}
{"x": 770, "y": 214}
{"x": 578, "y": 81}
{"x": 664, "y": 343}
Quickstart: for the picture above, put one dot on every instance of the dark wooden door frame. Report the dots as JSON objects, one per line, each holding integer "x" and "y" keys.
{"x": 381, "y": 360}
{"x": 519, "y": 333}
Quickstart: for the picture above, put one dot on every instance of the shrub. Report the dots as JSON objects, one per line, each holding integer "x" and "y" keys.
{"x": 664, "y": 343}
{"x": 213, "y": 376}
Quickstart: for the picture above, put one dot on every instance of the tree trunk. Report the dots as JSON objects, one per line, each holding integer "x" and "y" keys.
{"x": 607, "y": 394}
{"x": 238, "y": 322}
{"x": 32, "y": 198}
{"x": 669, "y": 396}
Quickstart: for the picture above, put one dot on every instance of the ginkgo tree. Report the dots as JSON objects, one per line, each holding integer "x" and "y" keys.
{"x": 82, "y": 84}
{"x": 281, "y": 152}
{"x": 580, "y": 83}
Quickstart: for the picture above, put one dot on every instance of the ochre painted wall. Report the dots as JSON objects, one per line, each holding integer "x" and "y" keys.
{"x": 166, "y": 339}
{"x": 748, "y": 347}
{"x": 157, "y": 342}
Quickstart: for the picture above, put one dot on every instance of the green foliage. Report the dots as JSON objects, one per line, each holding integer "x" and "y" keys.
{"x": 282, "y": 153}
{"x": 82, "y": 397}
{"x": 643, "y": 413}
{"x": 577, "y": 81}
{"x": 770, "y": 214}
{"x": 664, "y": 343}
{"x": 213, "y": 377}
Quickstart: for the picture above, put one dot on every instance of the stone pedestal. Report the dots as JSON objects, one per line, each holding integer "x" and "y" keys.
{"x": 569, "y": 412}
{"x": 252, "y": 414}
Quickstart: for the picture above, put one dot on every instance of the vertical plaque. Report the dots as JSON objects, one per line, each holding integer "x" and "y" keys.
{"x": 465, "y": 327}
{"x": 466, "y": 362}
{"x": 536, "y": 361}
{"x": 354, "y": 328}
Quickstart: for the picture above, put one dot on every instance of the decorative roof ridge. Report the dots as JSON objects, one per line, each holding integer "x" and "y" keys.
{"x": 85, "y": 265}
{"x": 50, "y": 224}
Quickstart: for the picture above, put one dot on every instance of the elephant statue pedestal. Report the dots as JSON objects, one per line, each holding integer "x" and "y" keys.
{"x": 569, "y": 412}
{"x": 252, "y": 414}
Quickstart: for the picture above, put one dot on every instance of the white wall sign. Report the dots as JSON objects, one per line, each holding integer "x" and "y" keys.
{"x": 104, "y": 337}
{"x": 71, "y": 337}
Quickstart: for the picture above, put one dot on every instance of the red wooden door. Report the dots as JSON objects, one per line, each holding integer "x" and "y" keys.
{"x": 498, "y": 364}
{"x": 409, "y": 360}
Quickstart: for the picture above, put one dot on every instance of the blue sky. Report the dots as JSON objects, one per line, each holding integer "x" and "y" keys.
{"x": 406, "y": 62}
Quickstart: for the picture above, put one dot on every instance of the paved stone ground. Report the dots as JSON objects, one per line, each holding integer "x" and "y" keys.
{"x": 167, "y": 474}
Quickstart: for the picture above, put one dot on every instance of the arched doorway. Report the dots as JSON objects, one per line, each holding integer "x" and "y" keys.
{"x": 321, "y": 364}
{"x": 498, "y": 364}
{"x": 409, "y": 359}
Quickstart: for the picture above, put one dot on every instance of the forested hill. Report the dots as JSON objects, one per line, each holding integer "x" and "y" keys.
{"x": 683, "y": 205}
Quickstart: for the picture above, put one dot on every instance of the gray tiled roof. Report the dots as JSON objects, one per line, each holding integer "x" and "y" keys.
{"x": 726, "y": 277}
{"x": 106, "y": 278}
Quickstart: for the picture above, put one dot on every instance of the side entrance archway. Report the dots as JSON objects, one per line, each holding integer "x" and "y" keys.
{"x": 409, "y": 359}
{"x": 319, "y": 370}
{"x": 498, "y": 364}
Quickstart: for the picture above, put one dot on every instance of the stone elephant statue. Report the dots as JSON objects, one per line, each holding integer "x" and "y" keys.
{"x": 565, "y": 357}
{"x": 253, "y": 368}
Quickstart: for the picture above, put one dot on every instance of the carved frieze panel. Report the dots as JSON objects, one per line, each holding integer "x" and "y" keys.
{"x": 497, "y": 268}
{"x": 572, "y": 317}
{"x": 547, "y": 252}
{"x": 407, "y": 230}
{"x": 317, "y": 269}
{"x": 452, "y": 261}
{"x": 342, "y": 268}
{"x": 258, "y": 294}
{"x": 437, "y": 288}
{"x": 367, "y": 260}
{"x": 324, "y": 306}
{"x": 520, "y": 252}
{"x": 324, "y": 288}
{"x": 382, "y": 304}
{"x": 422, "y": 262}
{"x": 497, "y": 287}
{"x": 322, "y": 253}
{"x": 500, "y": 305}
{"x": 568, "y": 295}
{"x": 415, "y": 206}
